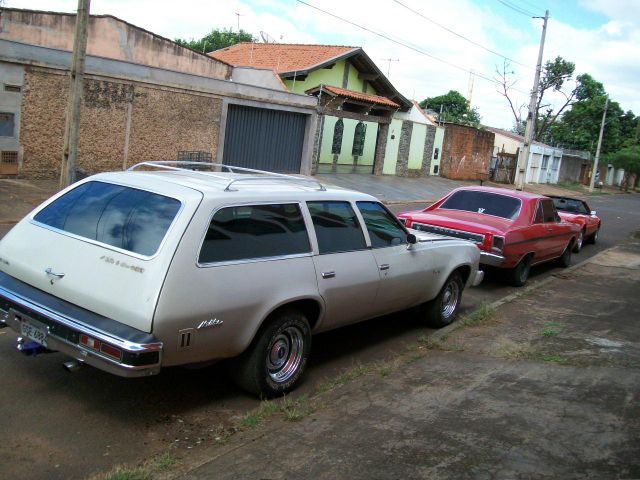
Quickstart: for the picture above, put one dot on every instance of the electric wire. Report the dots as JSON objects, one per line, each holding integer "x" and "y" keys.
{"x": 462, "y": 36}
{"x": 516, "y": 8}
{"x": 407, "y": 45}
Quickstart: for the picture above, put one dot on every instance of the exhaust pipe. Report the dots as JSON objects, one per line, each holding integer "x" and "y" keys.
{"x": 72, "y": 366}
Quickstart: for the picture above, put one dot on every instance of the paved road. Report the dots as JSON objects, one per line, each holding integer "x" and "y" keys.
{"x": 59, "y": 425}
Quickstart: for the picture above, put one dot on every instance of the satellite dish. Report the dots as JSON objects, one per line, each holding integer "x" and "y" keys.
{"x": 266, "y": 38}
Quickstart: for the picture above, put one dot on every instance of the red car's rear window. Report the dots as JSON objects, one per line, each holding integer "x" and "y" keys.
{"x": 487, "y": 203}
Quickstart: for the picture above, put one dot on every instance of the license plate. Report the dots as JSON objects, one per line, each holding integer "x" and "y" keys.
{"x": 34, "y": 330}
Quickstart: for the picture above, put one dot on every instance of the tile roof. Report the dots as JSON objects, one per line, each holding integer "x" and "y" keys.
{"x": 363, "y": 97}
{"x": 282, "y": 57}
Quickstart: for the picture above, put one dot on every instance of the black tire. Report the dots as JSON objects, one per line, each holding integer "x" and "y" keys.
{"x": 519, "y": 275}
{"x": 277, "y": 357}
{"x": 565, "y": 259}
{"x": 579, "y": 242}
{"x": 593, "y": 238}
{"x": 443, "y": 309}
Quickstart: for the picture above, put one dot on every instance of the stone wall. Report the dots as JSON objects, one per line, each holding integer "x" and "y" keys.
{"x": 161, "y": 122}
{"x": 466, "y": 152}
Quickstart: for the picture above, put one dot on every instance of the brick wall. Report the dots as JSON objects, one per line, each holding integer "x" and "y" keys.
{"x": 466, "y": 152}
{"x": 162, "y": 122}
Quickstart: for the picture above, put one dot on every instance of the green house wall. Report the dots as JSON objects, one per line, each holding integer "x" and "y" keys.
{"x": 345, "y": 156}
{"x": 330, "y": 76}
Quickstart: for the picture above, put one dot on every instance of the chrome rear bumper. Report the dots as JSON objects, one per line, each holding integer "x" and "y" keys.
{"x": 491, "y": 259}
{"x": 141, "y": 352}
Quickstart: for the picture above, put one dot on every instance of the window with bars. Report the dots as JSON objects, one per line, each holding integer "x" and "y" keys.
{"x": 336, "y": 146}
{"x": 358, "y": 139}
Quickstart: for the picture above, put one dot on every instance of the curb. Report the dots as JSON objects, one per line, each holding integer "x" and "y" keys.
{"x": 443, "y": 332}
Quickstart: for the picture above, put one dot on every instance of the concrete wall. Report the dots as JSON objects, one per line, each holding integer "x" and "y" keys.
{"x": 108, "y": 37}
{"x": 571, "y": 168}
{"x": 345, "y": 162}
{"x": 537, "y": 171}
{"x": 436, "y": 156}
{"x": 257, "y": 76}
{"x": 466, "y": 152}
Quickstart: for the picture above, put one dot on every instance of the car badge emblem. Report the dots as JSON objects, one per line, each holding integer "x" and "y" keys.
{"x": 212, "y": 322}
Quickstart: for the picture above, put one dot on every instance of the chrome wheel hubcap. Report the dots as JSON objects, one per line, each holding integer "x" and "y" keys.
{"x": 285, "y": 354}
{"x": 450, "y": 299}
{"x": 580, "y": 238}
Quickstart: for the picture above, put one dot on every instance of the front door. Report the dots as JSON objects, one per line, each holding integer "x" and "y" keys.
{"x": 346, "y": 270}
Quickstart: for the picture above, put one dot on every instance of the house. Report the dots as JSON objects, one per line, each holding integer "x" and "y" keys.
{"x": 575, "y": 166}
{"x": 145, "y": 98}
{"x": 366, "y": 125}
{"x": 544, "y": 160}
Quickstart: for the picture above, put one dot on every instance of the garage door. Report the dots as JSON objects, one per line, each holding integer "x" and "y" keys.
{"x": 264, "y": 139}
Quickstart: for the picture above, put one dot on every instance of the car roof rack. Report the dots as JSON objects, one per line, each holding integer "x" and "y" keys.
{"x": 182, "y": 166}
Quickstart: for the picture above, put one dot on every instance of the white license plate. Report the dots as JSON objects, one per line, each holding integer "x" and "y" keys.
{"x": 34, "y": 330}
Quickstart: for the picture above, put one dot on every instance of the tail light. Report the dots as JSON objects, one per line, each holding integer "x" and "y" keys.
{"x": 101, "y": 347}
{"x": 497, "y": 243}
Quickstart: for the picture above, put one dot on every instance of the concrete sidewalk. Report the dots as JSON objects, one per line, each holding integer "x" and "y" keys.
{"x": 547, "y": 386}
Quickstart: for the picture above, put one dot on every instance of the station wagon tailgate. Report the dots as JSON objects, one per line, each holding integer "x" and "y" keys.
{"x": 103, "y": 246}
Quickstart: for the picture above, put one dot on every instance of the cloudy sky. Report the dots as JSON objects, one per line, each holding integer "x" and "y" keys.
{"x": 602, "y": 37}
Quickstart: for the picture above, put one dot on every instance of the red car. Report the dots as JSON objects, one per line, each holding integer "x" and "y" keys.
{"x": 577, "y": 211}
{"x": 513, "y": 230}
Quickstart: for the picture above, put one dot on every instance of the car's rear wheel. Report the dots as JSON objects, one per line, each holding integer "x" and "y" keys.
{"x": 276, "y": 359}
{"x": 443, "y": 309}
{"x": 565, "y": 259}
{"x": 519, "y": 275}
{"x": 579, "y": 241}
{"x": 593, "y": 237}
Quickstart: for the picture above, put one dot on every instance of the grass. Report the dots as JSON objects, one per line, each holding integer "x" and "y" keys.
{"x": 481, "y": 314}
{"x": 147, "y": 471}
{"x": 291, "y": 410}
{"x": 355, "y": 371}
{"x": 551, "y": 329}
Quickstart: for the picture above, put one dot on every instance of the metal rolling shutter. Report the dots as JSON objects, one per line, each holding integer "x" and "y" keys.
{"x": 264, "y": 139}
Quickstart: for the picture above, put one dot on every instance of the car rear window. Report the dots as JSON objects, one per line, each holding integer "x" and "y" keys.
{"x": 486, "y": 203}
{"x": 123, "y": 217}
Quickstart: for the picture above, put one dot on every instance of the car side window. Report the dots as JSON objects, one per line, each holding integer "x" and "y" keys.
{"x": 383, "y": 228}
{"x": 255, "y": 231}
{"x": 336, "y": 226}
{"x": 549, "y": 211}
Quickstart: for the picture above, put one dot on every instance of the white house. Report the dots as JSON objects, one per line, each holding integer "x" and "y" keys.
{"x": 544, "y": 161}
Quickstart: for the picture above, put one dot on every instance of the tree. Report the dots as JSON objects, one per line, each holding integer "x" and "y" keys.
{"x": 455, "y": 108}
{"x": 556, "y": 75}
{"x": 216, "y": 40}
{"x": 628, "y": 159}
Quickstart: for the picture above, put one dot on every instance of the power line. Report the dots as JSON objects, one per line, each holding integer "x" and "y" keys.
{"x": 531, "y": 4}
{"x": 405, "y": 44}
{"x": 461, "y": 36}
{"x": 516, "y": 8}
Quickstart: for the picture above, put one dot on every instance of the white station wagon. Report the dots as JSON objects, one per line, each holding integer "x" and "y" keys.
{"x": 167, "y": 264}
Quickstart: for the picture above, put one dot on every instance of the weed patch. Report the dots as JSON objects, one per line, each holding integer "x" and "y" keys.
{"x": 354, "y": 372}
{"x": 483, "y": 313}
{"x": 551, "y": 329}
{"x": 147, "y": 471}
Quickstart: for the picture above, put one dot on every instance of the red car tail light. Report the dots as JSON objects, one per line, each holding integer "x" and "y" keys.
{"x": 102, "y": 347}
{"x": 497, "y": 243}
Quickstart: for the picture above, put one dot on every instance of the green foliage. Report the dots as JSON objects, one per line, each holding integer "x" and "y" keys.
{"x": 627, "y": 158}
{"x": 455, "y": 108}
{"x": 216, "y": 40}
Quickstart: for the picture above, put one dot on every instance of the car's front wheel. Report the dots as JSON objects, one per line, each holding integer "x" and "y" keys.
{"x": 443, "y": 309}
{"x": 594, "y": 236}
{"x": 565, "y": 259}
{"x": 276, "y": 359}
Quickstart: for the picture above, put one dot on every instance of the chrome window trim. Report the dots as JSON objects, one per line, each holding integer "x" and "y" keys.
{"x": 106, "y": 245}
{"x": 253, "y": 259}
{"x": 358, "y": 214}
{"x": 487, "y": 214}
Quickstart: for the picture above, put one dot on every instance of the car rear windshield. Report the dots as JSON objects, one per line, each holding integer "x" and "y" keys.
{"x": 483, "y": 202}
{"x": 123, "y": 217}
{"x": 570, "y": 205}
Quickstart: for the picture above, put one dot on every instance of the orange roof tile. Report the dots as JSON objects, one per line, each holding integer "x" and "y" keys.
{"x": 282, "y": 57}
{"x": 363, "y": 97}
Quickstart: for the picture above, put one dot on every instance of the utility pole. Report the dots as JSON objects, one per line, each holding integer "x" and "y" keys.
{"x": 72, "y": 124}
{"x": 523, "y": 160}
{"x": 595, "y": 162}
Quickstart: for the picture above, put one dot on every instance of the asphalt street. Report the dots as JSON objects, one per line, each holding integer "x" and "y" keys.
{"x": 60, "y": 425}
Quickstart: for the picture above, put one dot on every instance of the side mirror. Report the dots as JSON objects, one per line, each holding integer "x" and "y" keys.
{"x": 593, "y": 213}
{"x": 411, "y": 240}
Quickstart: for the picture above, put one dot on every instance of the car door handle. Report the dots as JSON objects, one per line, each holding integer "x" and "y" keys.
{"x": 51, "y": 273}
{"x": 384, "y": 266}
{"x": 330, "y": 274}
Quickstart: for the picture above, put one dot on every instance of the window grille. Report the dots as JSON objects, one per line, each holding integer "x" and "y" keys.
{"x": 358, "y": 139}
{"x": 336, "y": 146}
